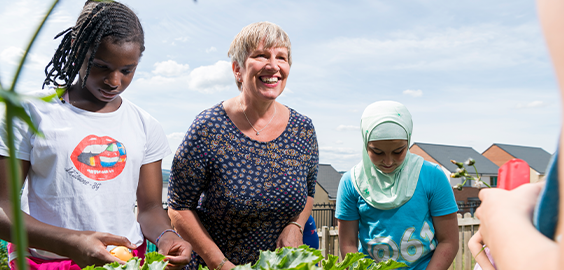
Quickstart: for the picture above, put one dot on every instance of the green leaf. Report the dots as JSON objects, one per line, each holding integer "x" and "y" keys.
{"x": 153, "y": 257}
{"x": 302, "y": 257}
{"x": 154, "y": 261}
{"x": 363, "y": 264}
{"x": 388, "y": 265}
{"x": 350, "y": 258}
{"x": 200, "y": 267}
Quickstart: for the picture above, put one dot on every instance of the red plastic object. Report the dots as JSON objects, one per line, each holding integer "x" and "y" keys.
{"x": 513, "y": 174}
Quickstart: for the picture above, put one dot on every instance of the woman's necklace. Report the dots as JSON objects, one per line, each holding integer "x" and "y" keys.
{"x": 257, "y": 131}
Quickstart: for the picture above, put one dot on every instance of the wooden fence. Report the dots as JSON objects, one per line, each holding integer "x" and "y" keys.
{"x": 467, "y": 225}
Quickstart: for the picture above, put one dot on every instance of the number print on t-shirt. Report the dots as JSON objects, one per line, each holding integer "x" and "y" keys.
{"x": 99, "y": 158}
{"x": 410, "y": 247}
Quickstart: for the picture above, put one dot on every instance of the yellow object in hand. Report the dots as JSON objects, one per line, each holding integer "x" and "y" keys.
{"x": 122, "y": 253}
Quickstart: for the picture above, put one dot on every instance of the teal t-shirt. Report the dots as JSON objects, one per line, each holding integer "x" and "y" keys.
{"x": 405, "y": 234}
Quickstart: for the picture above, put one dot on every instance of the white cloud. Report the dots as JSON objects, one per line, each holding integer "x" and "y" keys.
{"x": 12, "y": 56}
{"x": 413, "y": 93}
{"x": 175, "y": 136}
{"x": 347, "y": 127}
{"x": 534, "y": 104}
{"x": 479, "y": 46}
{"x": 205, "y": 79}
{"x": 338, "y": 150}
{"x": 211, "y": 49}
{"x": 338, "y": 142}
{"x": 170, "y": 68}
{"x": 210, "y": 79}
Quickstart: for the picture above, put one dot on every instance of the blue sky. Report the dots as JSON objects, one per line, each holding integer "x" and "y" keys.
{"x": 472, "y": 73}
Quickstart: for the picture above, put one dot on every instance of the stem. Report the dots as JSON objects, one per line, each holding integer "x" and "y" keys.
{"x": 465, "y": 179}
{"x": 20, "y": 66}
{"x": 19, "y": 236}
{"x": 479, "y": 177}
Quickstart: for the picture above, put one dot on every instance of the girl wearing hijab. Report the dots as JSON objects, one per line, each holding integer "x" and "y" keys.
{"x": 397, "y": 205}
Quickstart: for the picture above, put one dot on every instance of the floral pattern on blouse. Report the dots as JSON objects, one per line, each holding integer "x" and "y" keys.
{"x": 244, "y": 191}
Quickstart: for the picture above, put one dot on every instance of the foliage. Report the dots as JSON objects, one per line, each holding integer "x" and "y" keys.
{"x": 153, "y": 261}
{"x": 462, "y": 173}
{"x": 306, "y": 258}
{"x": 3, "y": 256}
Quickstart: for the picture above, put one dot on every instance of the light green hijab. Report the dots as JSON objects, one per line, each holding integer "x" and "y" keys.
{"x": 386, "y": 120}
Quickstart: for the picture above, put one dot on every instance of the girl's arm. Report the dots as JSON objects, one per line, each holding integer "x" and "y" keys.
{"x": 291, "y": 235}
{"x": 190, "y": 227}
{"x": 476, "y": 246}
{"x": 83, "y": 247}
{"x": 348, "y": 236}
{"x": 446, "y": 232}
{"x": 154, "y": 220}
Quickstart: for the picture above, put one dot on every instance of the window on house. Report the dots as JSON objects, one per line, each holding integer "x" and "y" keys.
{"x": 468, "y": 183}
{"x": 493, "y": 181}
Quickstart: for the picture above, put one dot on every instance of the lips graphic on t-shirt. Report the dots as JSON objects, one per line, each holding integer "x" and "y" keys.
{"x": 99, "y": 158}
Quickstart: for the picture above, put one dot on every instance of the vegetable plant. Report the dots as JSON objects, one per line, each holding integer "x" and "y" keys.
{"x": 287, "y": 258}
{"x": 306, "y": 258}
{"x": 153, "y": 261}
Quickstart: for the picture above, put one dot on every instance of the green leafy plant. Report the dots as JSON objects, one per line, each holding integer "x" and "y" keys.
{"x": 3, "y": 256}
{"x": 14, "y": 109}
{"x": 153, "y": 261}
{"x": 306, "y": 258}
{"x": 461, "y": 172}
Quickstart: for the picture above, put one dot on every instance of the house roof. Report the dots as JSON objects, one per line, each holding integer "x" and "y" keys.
{"x": 444, "y": 153}
{"x": 328, "y": 178}
{"x": 536, "y": 157}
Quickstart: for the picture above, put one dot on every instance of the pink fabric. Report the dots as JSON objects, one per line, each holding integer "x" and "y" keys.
{"x": 64, "y": 264}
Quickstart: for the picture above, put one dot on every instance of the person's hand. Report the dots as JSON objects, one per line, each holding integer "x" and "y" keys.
{"x": 177, "y": 251}
{"x": 290, "y": 237}
{"x": 89, "y": 248}
{"x": 501, "y": 208}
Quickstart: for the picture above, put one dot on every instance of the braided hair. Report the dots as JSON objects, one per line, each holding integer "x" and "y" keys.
{"x": 99, "y": 20}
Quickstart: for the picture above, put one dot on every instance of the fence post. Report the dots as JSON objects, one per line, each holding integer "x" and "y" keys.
{"x": 467, "y": 234}
{"x": 458, "y": 260}
{"x": 325, "y": 237}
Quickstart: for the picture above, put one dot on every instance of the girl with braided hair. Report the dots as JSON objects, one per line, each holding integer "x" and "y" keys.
{"x": 99, "y": 154}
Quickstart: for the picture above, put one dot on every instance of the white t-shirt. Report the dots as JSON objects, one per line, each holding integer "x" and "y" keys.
{"x": 85, "y": 170}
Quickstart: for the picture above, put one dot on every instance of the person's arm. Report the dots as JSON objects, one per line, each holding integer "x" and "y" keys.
{"x": 476, "y": 246}
{"x": 83, "y": 247}
{"x": 507, "y": 229}
{"x": 348, "y": 236}
{"x": 191, "y": 228}
{"x": 154, "y": 220}
{"x": 446, "y": 232}
{"x": 291, "y": 235}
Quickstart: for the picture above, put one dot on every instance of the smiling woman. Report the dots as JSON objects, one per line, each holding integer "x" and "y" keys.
{"x": 244, "y": 177}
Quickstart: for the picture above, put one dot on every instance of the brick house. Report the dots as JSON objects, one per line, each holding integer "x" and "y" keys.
{"x": 536, "y": 157}
{"x": 442, "y": 154}
{"x": 327, "y": 184}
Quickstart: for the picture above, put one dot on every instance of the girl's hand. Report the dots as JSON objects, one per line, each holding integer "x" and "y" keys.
{"x": 290, "y": 237}
{"x": 89, "y": 248}
{"x": 501, "y": 209}
{"x": 177, "y": 251}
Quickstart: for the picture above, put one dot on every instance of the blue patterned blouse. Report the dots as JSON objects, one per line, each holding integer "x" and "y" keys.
{"x": 248, "y": 190}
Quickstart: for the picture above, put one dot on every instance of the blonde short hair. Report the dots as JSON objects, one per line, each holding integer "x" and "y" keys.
{"x": 250, "y": 37}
